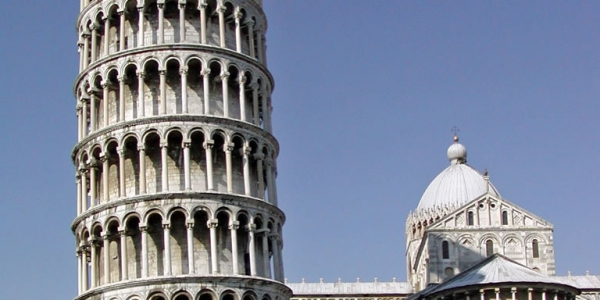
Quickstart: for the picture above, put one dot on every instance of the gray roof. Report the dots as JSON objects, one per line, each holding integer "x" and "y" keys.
{"x": 495, "y": 269}
{"x": 349, "y": 288}
{"x": 581, "y": 282}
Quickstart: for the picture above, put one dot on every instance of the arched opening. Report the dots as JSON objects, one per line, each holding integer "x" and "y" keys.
{"x": 178, "y": 243}
{"x": 134, "y": 248}
{"x": 219, "y": 163}
{"x": 195, "y": 87}
{"x": 224, "y": 244}
{"x": 131, "y": 167}
{"x": 445, "y": 250}
{"x": 174, "y": 99}
{"x": 212, "y": 23}
{"x": 96, "y": 241}
{"x": 201, "y": 243}
{"x": 98, "y": 102}
{"x": 248, "y": 108}
{"x": 260, "y": 247}
{"x": 182, "y": 297}
{"x": 489, "y": 247}
{"x": 206, "y": 296}
{"x": 198, "y": 162}
{"x": 112, "y": 39}
{"x": 131, "y": 29}
{"x": 233, "y": 91}
{"x": 470, "y": 218}
{"x": 171, "y": 22}
{"x": 254, "y": 172}
{"x": 230, "y": 40}
{"x": 153, "y": 163}
{"x": 271, "y": 264}
{"x": 228, "y": 296}
{"x": 243, "y": 245}
{"x": 114, "y": 256}
{"x": 175, "y": 174}
{"x": 131, "y": 93}
{"x": 113, "y": 97}
{"x": 535, "y": 248}
{"x": 192, "y": 26}
{"x": 215, "y": 90}
{"x": 150, "y": 23}
{"x": 156, "y": 246}
{"x": 151, "y": 88}
{"x": 112, "y": 158}
{"x": 237, "y": 162}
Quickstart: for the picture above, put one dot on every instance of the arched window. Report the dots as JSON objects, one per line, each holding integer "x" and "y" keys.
{"x": 504, "y": 218}
{"x": 489, "y": 247}
{"x": 470, "y": 218}
{"x": 445, "y": 250}
{"x": 535, "y": 248}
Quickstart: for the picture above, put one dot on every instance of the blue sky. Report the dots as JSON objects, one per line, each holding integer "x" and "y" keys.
{"x": 366, "y": 95}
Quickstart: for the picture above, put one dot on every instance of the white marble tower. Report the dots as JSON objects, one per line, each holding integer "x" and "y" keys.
{"x": 175, "y": 160}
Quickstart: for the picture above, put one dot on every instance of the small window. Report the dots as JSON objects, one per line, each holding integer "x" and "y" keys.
{"x": 535, "y": 248}
{"x": 489, "y": 247}
{"x": 470, "y": 218}
{"x": 504, "y": 218}
{"x": 449, "y": 272}
{"x": 445, "y": 250}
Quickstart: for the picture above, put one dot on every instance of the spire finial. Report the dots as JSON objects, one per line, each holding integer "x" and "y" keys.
{"x": 455, "y": 130}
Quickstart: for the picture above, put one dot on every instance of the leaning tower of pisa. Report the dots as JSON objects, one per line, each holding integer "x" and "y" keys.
{"x": 175, "y": 160}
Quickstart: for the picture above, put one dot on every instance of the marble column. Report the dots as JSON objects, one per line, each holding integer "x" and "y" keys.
{"x": 205, "y": 86}
{"x": 221, "y": 10}
{"x": 209, "y": 164}
{"x": 265, "y": 253}
{"x": 161, "y": 23}
{"x": 163, "y": 92}
{"x": 246, "y": 161}
{"x": 105, "y": 96}
{"x": 94, "y": 42}
{"x": 106, "y": 36}
{"x": 121, "y": 30}
{"x": 202, "y": 7}
{"x": 121, "y": 151}
{"x": 140, "y": 25}
{"x": 186, "y": 164}
{"x": 182, "y": 22}
{"x": 238, "y": 30}
{"x": 142, "y": 166}
{"x": 242, "y": 84}
{"x": 164, "y": 167}
{"x": 252, "y": 248}
{"x": 104, "y": 158}
{"x": 141, "y": 100}
{"x": 106, "y": 252}
{"x": 214, "y": 262}
{"x": 122, "y": 80}
{"x": 233, "y": 227}
{"x": 225, "y": 87}
{"x": 123, "y": 236}
{"x": 255, "y": 112}
{"x": 228, "y": 164}
{"x": 184, "y": 99}
{"x": 93, "y": 182}
{"x": 144, "y": 232}
{"x": 250, "y": 25}
{"x": 190, "y": 248}
{"x": 167, "y": 243}
{"x": 79, "y": 201}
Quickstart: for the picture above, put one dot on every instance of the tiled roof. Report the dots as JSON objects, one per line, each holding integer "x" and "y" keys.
{"x": 349, "y": 288}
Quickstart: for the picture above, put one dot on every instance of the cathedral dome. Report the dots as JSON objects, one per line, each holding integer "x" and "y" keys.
{"x": 457, "y": 184}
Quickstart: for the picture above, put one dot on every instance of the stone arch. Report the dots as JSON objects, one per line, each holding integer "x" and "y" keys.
{"x": 229, "y": 295}
{"x": 178, "y": 241}
{"x": 181, "y": 295}
{"x": 152, "y": 141}
{"x": 201, "y": 239}
{"x": 220, "y": 144}
{"x": 206, "y": 294}
{"x": 157, "y": 295}
{"x": 215, "y": 68}
{"x": 249, "y": 295}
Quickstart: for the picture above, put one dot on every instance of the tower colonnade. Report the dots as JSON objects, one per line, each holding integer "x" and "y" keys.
{"x": 181, "y": 239}
{"x": 175, "y": 159}
{"x": 153, "y": 84}
{"x": 109, "y": 27}
{"x": 126, "y": 163}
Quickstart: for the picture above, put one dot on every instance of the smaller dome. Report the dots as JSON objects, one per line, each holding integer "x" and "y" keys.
{"x": 457, "y": 153}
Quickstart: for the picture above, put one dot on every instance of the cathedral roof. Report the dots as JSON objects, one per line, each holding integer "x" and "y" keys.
{"x": 493, "y": 270}
{"x": 457, "y": 184}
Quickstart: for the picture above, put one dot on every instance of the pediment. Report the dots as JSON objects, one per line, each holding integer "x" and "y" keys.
{"x": 487, "y": 211}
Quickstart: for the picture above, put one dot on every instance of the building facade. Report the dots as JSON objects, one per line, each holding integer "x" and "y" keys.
{"x": 175, "y": 160}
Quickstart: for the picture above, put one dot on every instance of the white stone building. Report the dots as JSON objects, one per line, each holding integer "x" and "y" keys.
{"x": 175, "y": 160}
{"x": 176, "y": 167}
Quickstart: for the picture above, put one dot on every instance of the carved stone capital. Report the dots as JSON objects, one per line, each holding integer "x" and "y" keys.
{"x": 229, "y": 147}
{"x": 224, "y": 76}
{"x": 235, "y": 225}
{"x": 209, "y": 144}
{"x": 162, "y": 72}
{"x": 258, "y": 156}
{"x": 186, "y": 143}
{"x": 205, "y": 72}
{"x": 141, "y": 74}
{"x": 214, "y": 223}
{"x": 251, "y": 227}
{"x": 242, "y": 79}
{"x": 249, "y": 23}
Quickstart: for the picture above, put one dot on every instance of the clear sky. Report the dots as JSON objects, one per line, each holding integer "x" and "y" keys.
{"x": 366, "y": 95}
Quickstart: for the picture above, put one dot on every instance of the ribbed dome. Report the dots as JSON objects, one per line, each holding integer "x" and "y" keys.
{"x": 457, "y": 184}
